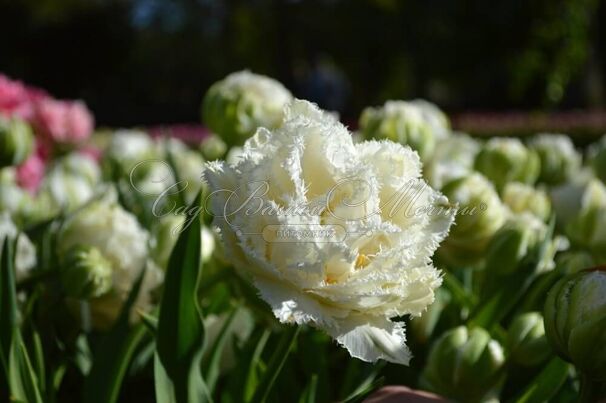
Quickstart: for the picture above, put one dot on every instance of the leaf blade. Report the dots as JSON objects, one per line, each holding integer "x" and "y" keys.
{"x": 103, "y": 383}
{"x": 8, "y": 298}
{"x": 180, "y": 330}
{"x": 276, "y": 363}
{"x": 23, "y": 381}
{"x": 546, "y": 384}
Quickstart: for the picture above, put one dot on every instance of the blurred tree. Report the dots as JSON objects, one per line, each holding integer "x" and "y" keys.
{"x": 150, "y": 61}
{"x": 557, "y": 46}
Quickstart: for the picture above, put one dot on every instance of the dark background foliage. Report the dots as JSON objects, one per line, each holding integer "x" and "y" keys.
{"x": 150, "y": 61}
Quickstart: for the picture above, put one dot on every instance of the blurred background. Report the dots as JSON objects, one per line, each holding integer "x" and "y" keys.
{"x": 148, "y": 62}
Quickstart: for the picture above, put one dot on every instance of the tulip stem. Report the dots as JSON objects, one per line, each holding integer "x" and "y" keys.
{"x": 591, "y": 391}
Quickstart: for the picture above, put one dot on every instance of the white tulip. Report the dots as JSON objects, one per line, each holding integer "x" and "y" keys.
{"x": 240, "y": 103}
{"x": 129, "y": 147}
{"x": 560, "y": 161}
{"x": 520, "y": 197}
{"x": 80, "y": 165}
{"x": 13, "y": 199}
{"x": 418, "y": 124}
{"x": 342, "y": 239}
{"x": 453, "y": 158}
{"x": 65, "y": 191}
{"x": 117, "y": 234}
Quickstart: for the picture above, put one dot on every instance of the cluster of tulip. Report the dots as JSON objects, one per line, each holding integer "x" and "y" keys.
{"x": 127, "y": 258}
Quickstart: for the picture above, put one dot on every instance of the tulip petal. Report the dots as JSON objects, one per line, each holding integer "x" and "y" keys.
{"x": 376, "y": 339}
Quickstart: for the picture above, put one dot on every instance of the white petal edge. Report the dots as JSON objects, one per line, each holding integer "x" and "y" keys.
{"x": 376, "y": 339}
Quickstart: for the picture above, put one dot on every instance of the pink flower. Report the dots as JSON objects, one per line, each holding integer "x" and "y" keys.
{"x": 17, "y": 99}
{"x": 92, "y": 152}
{"x": 63, "y": 122}
{"x": 188, "y": 133}
{"x": 31, "y": 172}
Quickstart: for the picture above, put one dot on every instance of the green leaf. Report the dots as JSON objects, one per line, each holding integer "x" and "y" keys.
{"x": 462, "y": 297}
{"x": 173, "y": 166}
{"x": 39, "y": 361}
{"x": 534, "y": 298}
{"x": 198, "y": 390}
{"x": 309, "y": 394}
{"x": 8, "y": 310}
{"x": 365, "y": 385}
{"x": 144, "y": 356}
{"x": 164, "y": 386}
{"x": 150, "y": 322}
{"x": 23, "y": 381}
{"x": 8, "y": 299}
{"x": 504, "y": 293}
{"x": 500, "y": 304}
{"x": 180, "y": 333}
{"x": 211, "y": 368}
{"x": 364, "y": 389}
{"x": 165, "y": 392}
{"x": 252, "y": 378}
{"x": 546, "y": 384}
{"x": 276, "y": 363}
{"x": 111, "y": 359}
{"x": 56, "y": 377}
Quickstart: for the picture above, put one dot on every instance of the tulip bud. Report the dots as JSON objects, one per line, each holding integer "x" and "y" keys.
{"x": 81, "y": 165}
{"x": 188, "y": 164}
{"x": 571, "y": 262}
{"x": 403, "y": 122}
{"x": 575, "y": 321}
{"x": 128, "y": 149}
{"x": 504, "y": 160}
{"x": 513, "y": 243}
{"x": 213, "y": 148}
{"x": 526, "y": 341}
{"x": 64, "y": 191}
{"x": 522, "y": 198}
{"x": 559, "y": 159}
{"x": 118, "y": 236}
{"x": 463, "y": 364}
{"x": 588, "y": 230}
{"x": 582, "y": 194}
{"x": 597, "y": 158}
{"x": 164, "y": 236}
{"x": 434, "y": 116}
{"x": 16, "y": 142}
{"x": 85, "y": 273}
{"x": 584, "y": 215}
{"x": 242, "y": 102}
{"x": 13, "y": 199}
{"x": 480, "y": 215}
{"x": 452, "y": 159}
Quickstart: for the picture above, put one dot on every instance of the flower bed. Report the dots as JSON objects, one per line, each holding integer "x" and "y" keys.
{"x": 277, "y": 256}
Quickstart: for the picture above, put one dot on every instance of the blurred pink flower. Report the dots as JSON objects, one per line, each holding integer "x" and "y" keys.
{"x": 17, "y": 99}
{"x": 64, "y": 122}
{"x": 188, "y": 133}
{"x": 31, "y": 172}
{"x": 92, "y": 152}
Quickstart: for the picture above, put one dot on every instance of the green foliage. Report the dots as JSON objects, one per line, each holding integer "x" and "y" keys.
{"x": 112, "y": 358}
{"x": 180, "y": 333}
